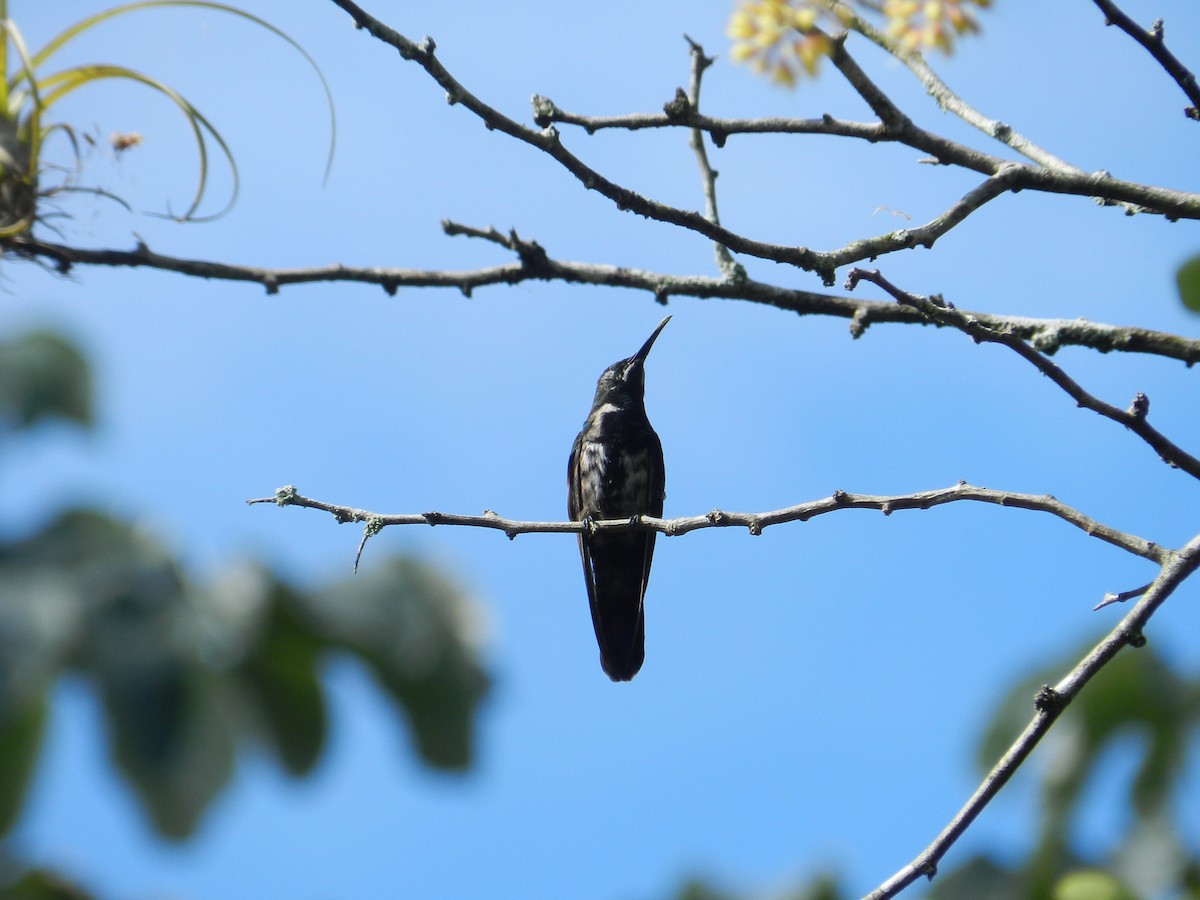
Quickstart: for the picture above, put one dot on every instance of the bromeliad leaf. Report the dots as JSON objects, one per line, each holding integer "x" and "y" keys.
{"x": 27, "y": 93}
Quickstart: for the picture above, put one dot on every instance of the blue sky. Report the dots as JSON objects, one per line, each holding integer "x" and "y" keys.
{"x": 811, "y": 697}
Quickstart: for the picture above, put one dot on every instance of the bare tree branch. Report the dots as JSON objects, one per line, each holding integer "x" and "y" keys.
{"x": 1134, "y": 418}
{"x": 1051, "y": 175}
{"x": 1002, "y": 177}
{"x": 1049, "y": 704}
{"x": 1153, "y": 41}
{"x": 754, "y": 522}
{"x": 1047, "y": 335}
{"x": 1068, "y": 180}
{"x": 549, "y": 141}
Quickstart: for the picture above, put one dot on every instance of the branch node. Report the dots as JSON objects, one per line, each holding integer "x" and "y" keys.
{"x": 1046, "y": 340}
{"x": 286, "y": 495}
{"x": 1136, "y": 639}
{"x": 544, "y": 111}
{"x": 716, "y": 517}
{"x": 1048, "y": 700}
{"x": 859, "y": 322}
{"x": 678, "y": 109}
{"x": 531, "y": 253}
{"x": 510, "y": 533}
{"x": 855, "y": 275}
{"x": 702, "y": 60}
{"x": 1140, "y": 406}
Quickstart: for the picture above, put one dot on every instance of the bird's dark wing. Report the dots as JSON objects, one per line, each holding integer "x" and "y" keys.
{"x": 656, "y": 494}
{"x": 574, "y": 502}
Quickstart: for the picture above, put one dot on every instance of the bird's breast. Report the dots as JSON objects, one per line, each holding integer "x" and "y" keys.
{"x": 615, "y": 477}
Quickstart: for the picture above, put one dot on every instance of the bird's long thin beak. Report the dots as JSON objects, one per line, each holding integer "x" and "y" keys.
{"x": 641, "y": 355}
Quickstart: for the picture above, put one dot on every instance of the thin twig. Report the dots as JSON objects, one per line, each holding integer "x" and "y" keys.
{"x": 1049, "y": 704}
{"x": 754, "y": 522}
{"x": 1134, "y": 418}
{"x": 946, "y": 98}
{"x": 690, "y": 102}
{"x": 1154, "y": 43}
{"x": 1110, "y": 599}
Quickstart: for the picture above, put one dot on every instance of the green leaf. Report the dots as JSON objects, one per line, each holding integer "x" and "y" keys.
{"x": 43, "y": 376}
{"x": 20, "y": 739}
{"x": 282, "y": 679}
{"x": 169, "y": 720}
{"x": 418, "y": 633}
{"x": 979, "y": 878}
{"x": 43, "y": 884}
{"x": 1188, "y": 280}
{"x": 1091, "y": 885}
{"x": 1136, "y": 695}
{"x": 172, "y": 738}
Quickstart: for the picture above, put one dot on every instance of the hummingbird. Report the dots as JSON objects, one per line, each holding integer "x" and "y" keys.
{"x": 616, "y": 472}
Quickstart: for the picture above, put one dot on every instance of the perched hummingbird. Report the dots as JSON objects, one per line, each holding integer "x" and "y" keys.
{"x": 616, "y": 472}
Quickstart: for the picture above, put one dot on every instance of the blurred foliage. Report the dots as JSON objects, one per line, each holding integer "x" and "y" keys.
{"x": 1188, "y": 281}
{"x": 19, "y": 883}
{"x": 188, "y": 674}
{"x": 42, "y": 376}
{"x": 1137, "y": 704}
{"x": 821, "y": 887}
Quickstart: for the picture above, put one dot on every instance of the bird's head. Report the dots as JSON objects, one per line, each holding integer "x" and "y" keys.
{"x": 623, "y": 384}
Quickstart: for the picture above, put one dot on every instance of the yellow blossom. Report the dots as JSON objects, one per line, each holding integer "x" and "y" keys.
{"x": 787, "y": 39}
{"x": 917, "y": 26}
{"x": 781, "y": 37}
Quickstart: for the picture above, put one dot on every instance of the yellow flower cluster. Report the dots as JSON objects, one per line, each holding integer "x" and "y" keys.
{"x": 780, "y": 37}
{"x": 927, "y": 24}
{"x": 787, "y": 38}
